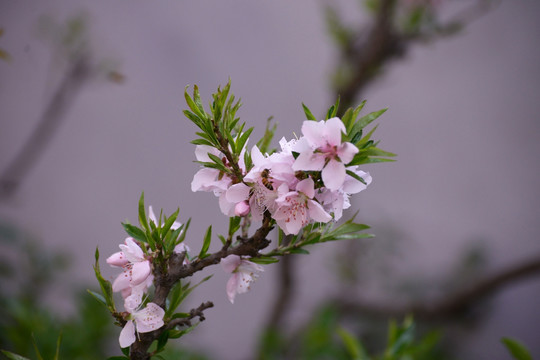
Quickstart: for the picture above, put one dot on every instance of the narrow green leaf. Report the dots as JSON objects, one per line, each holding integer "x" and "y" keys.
{"x": 353, "y": 346}
{"x": 299, "y": 251}
{"x": 243, "y": 139}
{"x": 142, "y": 213}
{"x": 135, "y": 232}
{"x": 58, "y": 342}
{"x": 366, "y": 120}
{"x": 98, "y": 297}
{"x": 201, "y": 142}
{"x": 264, "y": 260}
{"x": 517, "y": 349}
{"x": 12, "y": 356}
{"x": 308, "y": 113}
{"x": 356, "y": 176}
{"x": 169, "y": 222}
{"x": 38, "y": 354}
{"x": 192, "y": 105}
{"x": 333, "y": 110}
{"x": 206, "y": 243}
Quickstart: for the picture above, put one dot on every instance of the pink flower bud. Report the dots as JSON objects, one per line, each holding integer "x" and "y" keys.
{"x": 241, "y": 209}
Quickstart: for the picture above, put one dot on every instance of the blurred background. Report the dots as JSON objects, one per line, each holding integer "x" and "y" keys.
{"x": 460, "y": 202}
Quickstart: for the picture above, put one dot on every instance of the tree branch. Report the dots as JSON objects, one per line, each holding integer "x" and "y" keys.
{"x": 449, "y": 305}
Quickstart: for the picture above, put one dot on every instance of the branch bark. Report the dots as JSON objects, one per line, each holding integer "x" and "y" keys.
{"x": 447, "y": 306}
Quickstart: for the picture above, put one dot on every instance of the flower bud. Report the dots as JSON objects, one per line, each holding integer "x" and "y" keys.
{"x": 242, "y": 208}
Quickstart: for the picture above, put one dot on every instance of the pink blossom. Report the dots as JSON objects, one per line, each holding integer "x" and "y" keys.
{"x": 321, "y": 149}
{"x": 244, "y": 272}
{"x": 136, "y": 267}
{"x": 297, "y": 208}
{"x": 335, "y": 201}
{"x": 142, "y": 321}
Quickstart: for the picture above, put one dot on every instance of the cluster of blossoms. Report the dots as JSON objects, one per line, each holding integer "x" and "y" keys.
{"x": 306, "y": 181}
{"x": 133, "y": 283}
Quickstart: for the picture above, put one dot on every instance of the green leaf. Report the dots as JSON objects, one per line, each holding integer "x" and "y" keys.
{"x": 12, "y": 356}
{"x": 142, "y": 213}
{"x": 206, "y": 243}
{"x": 193, "y": 106}
{"x": 135, "y": 232}
{"x": 354, "y": 347}
{"x": 201, "y": 142}
{"x": 98, "y": 297}
{"x": 332, "y": 112}
{"x": 38, "y": 354}
{"x": 118, "y": 357}
{"x": 106, "y": 287}
{"x": 178, "y": 293}
{"x": 57, "y": 354}
{"x": 243, "y": 139}
{"x": 264, "y": 143}
{"x": 517, "y": 349}
{"x": 234, "y": 224}
{"x": 308, "y": 113}
{"x": 367, "y": 119}
{"x": 169, "y": 222}
{"x": 264, "y": 260}
{"x": 299, "y": 251}
{"x": 356, "y": 176}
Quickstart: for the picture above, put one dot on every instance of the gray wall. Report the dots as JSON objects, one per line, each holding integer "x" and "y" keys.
{"x": 462, "y": 119}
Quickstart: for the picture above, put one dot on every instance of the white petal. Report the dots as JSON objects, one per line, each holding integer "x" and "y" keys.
{"x": 346, "y": 152}
{"x": 127, "y": 335}
{"x": 201, "y": 152}
{"x": 117, "y": 259}
{"x": 122, "y": 281}
{"x": 149, "y": 319}
{"x": 132, "y": 251}
{"x": 256, "y": 156}
{"x": 151, "y": 215}
{"x": 309, "y": 161}
{"x": 237, "y": 192}
{"x": 232, "y": 287}
{"x": 230, "y": 263}
{"x": 306, "y": 187}
{"x": 140, "y": 272}
{"x": 317, "y": 213}
{"x": 226, "y": 207}
{"x": 333, "y": 175}
{"x": 333, "y": 129}
{"x": 313, "y": 132}
{"x": 203, "y": 179}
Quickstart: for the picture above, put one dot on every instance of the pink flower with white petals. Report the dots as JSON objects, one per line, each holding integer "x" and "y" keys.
{"x": 321, "y": 149}
{"x": 136, "y": 267}
{"x": 142, "y": 321}
{"x": 244, "y": 272}
{"x": 297, "y": 208}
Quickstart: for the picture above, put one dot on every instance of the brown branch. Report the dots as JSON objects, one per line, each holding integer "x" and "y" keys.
{"x": 193, "y": 313}
{"x": 166, "y": 278}
{"x": 450, "y": 305}
{"x": 77, "y": 73}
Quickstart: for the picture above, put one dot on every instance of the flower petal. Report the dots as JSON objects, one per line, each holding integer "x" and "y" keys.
{"x": 117, "y": 259}
{"x": 140, "y": 271}
{"x": 232, "y": 284}
{"x": 203, "y": 179}
{"x": 309, "y": 161}
{"x": 346, "y": 152}
{"x": 333, "y": 174}
{"x": 127, "y": 335}
{"x": 150, "y": 318}
{"x": 237, "y": 192}
{"x": 230, "y": 263}
{"x": 306, "y": 187}
{"x": 333, "y": 129}
{"x": 317, "y": 213}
